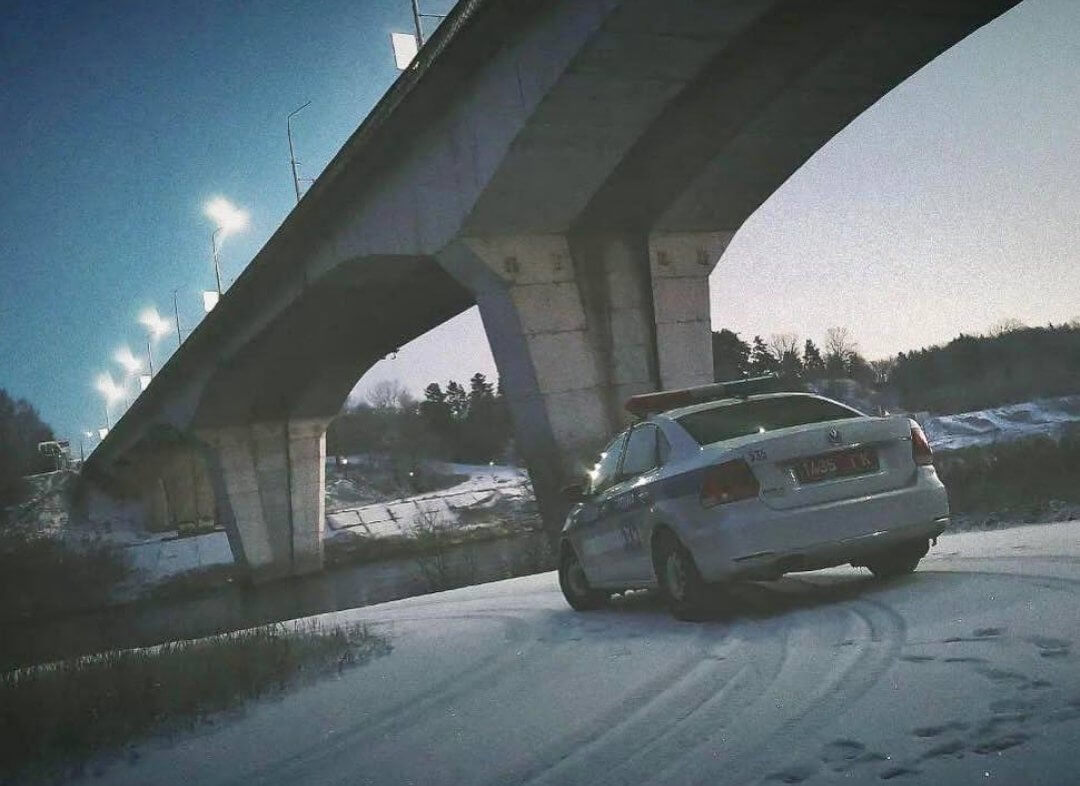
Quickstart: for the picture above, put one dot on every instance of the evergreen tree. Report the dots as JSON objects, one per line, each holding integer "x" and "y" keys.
{"x": 762, "y": 360}
{"x": 731, "y": 355}
{"x": 20, "y": 432}
{"x": 435, "y": 411}
{"x": 813, "y": 364}
{"x": 458, "y": 401}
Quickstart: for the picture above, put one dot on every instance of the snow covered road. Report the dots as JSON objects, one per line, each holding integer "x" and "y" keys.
{"x": 966, "y": 672}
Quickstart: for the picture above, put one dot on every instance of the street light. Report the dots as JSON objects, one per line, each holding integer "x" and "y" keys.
{"x": 292, "y": 155}
{"x": 229, "y": 220}
{"x": 127, "y": 360}
{"x": 110, "y": 392}
{"x": 156, "y": 327}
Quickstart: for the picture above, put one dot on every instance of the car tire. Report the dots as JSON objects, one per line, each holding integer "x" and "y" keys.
{"x": 899, "y": 562}
{"x": 684, "y": 590}
{"x": 575, "y": 584}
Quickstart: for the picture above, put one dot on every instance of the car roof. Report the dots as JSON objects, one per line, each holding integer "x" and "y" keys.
{"x": 678, "y": 412}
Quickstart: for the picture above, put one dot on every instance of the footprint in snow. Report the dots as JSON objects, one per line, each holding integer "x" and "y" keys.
{"x": 1051, "y": 647}
{"x": 917, "y": 658}
{"x": 951, "y": 748}
{"x": 937, "y": 731}
{"x": 898, "y": 772}
{"x": 795, "y": 774}
{"x": 839, "y": 755}
{"x": 998, "y": 744}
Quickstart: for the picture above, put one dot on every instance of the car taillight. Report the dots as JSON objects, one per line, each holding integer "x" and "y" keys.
{"x": 920, "y": 447}
{"x": 728, "y": 482}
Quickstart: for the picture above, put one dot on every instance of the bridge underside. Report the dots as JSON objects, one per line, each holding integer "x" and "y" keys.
{"x": 574, "y": 169}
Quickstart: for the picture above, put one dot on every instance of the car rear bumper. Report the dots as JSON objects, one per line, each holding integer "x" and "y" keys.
{"x": 750, "y": 540}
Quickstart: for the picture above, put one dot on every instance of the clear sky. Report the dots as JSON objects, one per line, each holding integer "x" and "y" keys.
{"x": 951, "y": 204}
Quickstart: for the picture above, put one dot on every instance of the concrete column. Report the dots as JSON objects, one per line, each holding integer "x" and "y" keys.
{"x": 307, "y": 476}
{"x": 181, "y": 486}
{"x": 270, "y": 476}
{"x": 156, "y": 502}
{"x": 680, "y": 264}
{"x": 571, "y": 328}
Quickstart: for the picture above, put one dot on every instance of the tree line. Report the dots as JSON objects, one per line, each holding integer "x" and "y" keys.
{"x": 21, "y": 429}
{"x": 1010, "y": 363}
{"x": 468, "y": 425}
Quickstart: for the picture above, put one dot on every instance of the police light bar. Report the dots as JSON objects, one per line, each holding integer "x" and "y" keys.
{"x": 663, "y": 400}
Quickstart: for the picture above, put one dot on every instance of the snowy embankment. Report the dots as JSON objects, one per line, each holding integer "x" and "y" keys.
{"x": 489, "y": 495}
{"x": 965, "y": 672}
{"x": 1048, "y": 417}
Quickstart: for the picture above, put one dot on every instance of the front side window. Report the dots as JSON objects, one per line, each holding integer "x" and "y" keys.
{"x": 729, "y": 421}
{"x": 642, "y": 451}
{"x": 603, "y": 474}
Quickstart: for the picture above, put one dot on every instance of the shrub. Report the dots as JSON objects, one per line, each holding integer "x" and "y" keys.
{"x": 42, "y": 575}
{"x": 54, "y": 718}
{"x": 1024, "y": 473}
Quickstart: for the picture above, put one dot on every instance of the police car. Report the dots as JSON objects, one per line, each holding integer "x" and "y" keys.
{"x": 723, "y": 482}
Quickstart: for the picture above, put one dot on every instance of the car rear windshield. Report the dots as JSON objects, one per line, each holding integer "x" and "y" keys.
{"x": 729, "y": 421}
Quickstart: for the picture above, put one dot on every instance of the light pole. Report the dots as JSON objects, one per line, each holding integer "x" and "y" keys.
{"x": 416, "y": 21}
{"x": 417, "y": 15}
{"x": 227, "y": 219}
{"x": 176, "y": 311}
{"x": 292, "y": 154}
{"x": 217, "y": 266}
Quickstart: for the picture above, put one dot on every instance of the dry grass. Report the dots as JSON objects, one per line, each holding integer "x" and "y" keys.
{"x": 55, "y": 718}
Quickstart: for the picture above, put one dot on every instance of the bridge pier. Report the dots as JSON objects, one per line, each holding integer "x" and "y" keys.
{"x": 270, "y": 479}
{"x": 577, "y": 325}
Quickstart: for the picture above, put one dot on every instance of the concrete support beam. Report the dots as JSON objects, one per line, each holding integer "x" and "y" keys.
{"x": 270, "y": 480}
{"x": 679, "y": 266}
{"x": 186, "y": 486}
{"x": 156, "y": 504}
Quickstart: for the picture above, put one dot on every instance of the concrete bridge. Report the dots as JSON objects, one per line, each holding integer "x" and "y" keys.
{"x": 576, "y": 169}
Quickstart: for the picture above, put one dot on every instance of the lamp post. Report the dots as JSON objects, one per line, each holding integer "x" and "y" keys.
{"x": 176, "y": 311}
{"x": 227, "y": 219}
{"x": 292, "y": 155}
{"x": 217, "y": 265}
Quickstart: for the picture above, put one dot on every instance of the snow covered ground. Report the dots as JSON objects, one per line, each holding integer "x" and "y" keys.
{"x": 488, "y": 489}
{"x": 1045, "y": 416}
{"x": 965, "y": 672}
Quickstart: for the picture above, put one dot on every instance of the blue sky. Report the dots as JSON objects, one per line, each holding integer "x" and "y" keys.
{"x": 953, "y": 203}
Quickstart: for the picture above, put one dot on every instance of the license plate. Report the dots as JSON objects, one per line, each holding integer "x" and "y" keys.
{"x": 836, "y": 465}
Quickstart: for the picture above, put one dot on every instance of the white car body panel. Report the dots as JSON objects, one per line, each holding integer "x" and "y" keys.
{"x": 789, "y": 526}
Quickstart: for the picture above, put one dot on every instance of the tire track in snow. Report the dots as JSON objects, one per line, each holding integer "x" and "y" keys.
{"x": 485, "y": 673}
{"x": 608, "y": 739}
{"x": 730, "y": 751}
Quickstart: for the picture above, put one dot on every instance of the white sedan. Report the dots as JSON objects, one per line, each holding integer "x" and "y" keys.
{"x": 710, "y": 488}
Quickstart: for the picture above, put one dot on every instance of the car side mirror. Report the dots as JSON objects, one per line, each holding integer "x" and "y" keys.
{"x": 574, "y": 493}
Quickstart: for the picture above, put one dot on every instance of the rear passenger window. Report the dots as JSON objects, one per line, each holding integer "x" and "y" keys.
{"x": 642, "y": 451}
{"x": 728, "y": 421}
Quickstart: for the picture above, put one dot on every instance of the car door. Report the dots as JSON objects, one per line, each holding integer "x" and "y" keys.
{"x": 630, "y": 502}
{"x": 598, "y": 543}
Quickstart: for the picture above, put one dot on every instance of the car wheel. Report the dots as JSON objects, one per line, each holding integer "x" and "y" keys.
{"x": 575, "y": 584}
{"x": 680, "y": 581}
{"x": 899, "y": 562}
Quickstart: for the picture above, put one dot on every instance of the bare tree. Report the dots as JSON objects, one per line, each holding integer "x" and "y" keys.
{"x": 839, "y": 343}
{"x": 784, "y": 344}
{"x": 1007, "y": 325}
{"x": 389, "y": 394}
{"x": 883, "y": 369}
